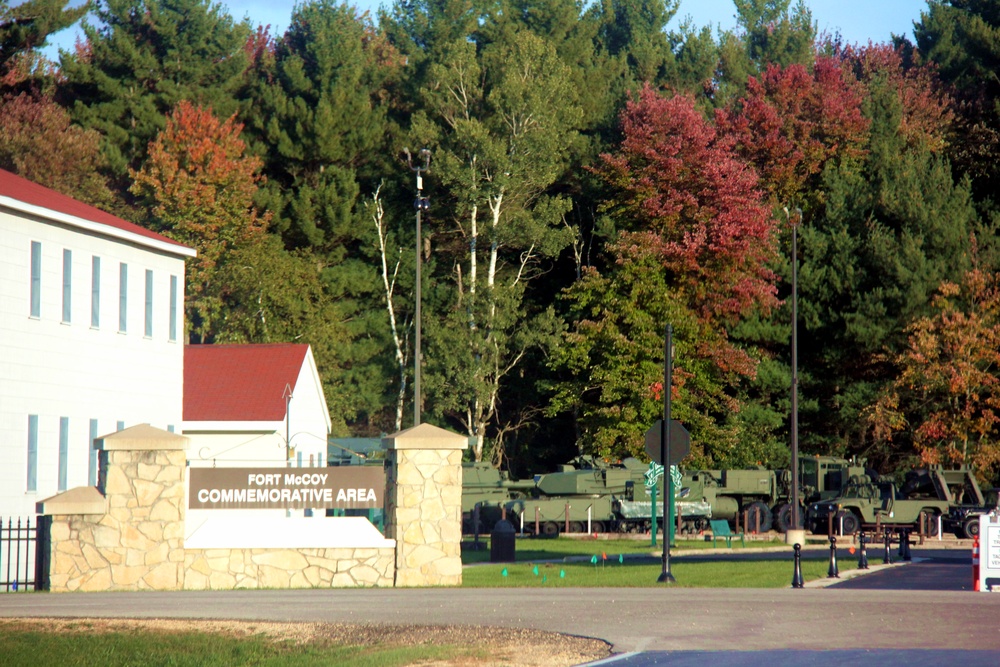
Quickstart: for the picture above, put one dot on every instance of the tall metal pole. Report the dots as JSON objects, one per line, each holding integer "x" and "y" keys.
{"x": 795, "y": 369}
{"x": 668, "y": 484}
{"x": 421, "y": 204}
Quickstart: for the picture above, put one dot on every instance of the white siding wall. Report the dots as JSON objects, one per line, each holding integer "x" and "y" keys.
{"x": 54, "y": 369}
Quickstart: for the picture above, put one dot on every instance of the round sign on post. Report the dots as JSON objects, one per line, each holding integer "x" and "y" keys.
{"x": 680, "y": 441}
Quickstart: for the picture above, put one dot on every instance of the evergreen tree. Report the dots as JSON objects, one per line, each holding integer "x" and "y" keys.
{"x": 140, "y": 59}
{"x": 893, "y": 226}
{"x": 27, "y": 26}
{"x": 962, "y": 37}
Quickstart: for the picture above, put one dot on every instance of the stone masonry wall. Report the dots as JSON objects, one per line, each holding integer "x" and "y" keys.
{"x": 138, "y": 543}
{"x": 224, "y": 569}
{"x": 426, "y": 516}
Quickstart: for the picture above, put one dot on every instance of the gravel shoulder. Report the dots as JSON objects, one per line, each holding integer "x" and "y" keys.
{"x": 506, "y": 646}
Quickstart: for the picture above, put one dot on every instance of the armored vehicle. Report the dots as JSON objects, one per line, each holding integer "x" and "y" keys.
{"x": 590, "y": 494}
{"x": 963, "y": 520}
{"x": 489, "y": 488}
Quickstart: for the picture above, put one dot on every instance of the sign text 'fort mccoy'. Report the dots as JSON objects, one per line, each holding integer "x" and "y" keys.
{"x": 286, "y": 488}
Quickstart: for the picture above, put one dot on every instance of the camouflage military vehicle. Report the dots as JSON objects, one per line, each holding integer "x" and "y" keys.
{"x": 866, "y": 503}
{"x": 590, "y": 492}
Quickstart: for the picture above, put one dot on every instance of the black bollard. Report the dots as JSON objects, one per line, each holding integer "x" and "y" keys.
{"x": 833, "y": 572}
{"x": 862, "y": 553}
{"x": 904, "y": 544}
{"x": 887, "y": 559}
{"x": 797, "y": 576}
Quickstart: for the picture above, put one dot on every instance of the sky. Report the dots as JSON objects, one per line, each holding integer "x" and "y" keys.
{"x": 856, "y": 20}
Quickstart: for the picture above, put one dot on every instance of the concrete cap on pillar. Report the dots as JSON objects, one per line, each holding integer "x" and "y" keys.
{"x": 141, "y": 437}
{"x": 425, "y": 436}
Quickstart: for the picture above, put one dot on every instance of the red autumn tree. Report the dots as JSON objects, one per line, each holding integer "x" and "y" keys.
{"x": 199, "y": 186}
{"x": 696, "y": 242}
{"x": 685, "y": 195}
{"x": 792, "y": 120}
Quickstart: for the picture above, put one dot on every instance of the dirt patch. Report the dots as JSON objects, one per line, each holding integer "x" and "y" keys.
{"x": 502, "y": 646}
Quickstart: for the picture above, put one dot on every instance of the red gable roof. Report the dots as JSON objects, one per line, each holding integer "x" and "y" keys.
{"x": 239, "y": 382}
{"x": 29, "y": 192}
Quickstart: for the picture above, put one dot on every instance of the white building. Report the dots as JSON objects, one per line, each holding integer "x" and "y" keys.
{"x": 254, "y": 406}
{"x": 91, "y": 337}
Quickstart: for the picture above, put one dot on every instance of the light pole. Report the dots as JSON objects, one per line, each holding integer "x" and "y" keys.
{"x": 421, "y": 203}
{"x": 666, "y": 576}
{"x": 794, "y": 223}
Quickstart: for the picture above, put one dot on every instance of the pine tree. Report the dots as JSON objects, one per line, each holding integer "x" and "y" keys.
{"x": 140, "y": 59}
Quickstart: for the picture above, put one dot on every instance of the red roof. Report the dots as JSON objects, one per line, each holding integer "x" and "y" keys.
{"x": 239, "y": 382}
{"x": 29, "y": 192}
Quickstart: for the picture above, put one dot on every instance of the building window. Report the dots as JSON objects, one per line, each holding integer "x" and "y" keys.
{"x": 67, "y": 293}
{"x": 36, "y": 279}
{"x": 63, "y": 452}
{"x": 172, "y": 335}
{"x": 122, "y": 297}
{"x": 32, "y": 452}
{"x": 92, "y": 477}
{"x": 95, "y": 292}
{"x": 149, "y": 304}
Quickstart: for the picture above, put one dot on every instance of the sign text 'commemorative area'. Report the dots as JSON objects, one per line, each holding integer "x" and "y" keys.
{"x": 286, "y": 488}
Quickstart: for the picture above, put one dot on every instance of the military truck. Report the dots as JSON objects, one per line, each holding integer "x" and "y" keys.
{"x": 865, "y": 503}
{"x": 759, "y": 498}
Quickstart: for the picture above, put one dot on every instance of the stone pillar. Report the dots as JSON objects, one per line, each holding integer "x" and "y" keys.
{"x": 424, "y": 505}
{"x": 128, "y": 533}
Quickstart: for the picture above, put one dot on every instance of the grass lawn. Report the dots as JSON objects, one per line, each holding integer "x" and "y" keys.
{"x": 25, "y": 645}
{"x": 616, "y": 563}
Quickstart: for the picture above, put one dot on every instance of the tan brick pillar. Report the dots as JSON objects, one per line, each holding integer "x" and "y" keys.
{"x": 128, "y": 533}
{"x": 424, "y": 505}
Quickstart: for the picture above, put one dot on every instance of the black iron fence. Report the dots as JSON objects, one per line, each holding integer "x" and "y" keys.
{"x": 23, "y": 556}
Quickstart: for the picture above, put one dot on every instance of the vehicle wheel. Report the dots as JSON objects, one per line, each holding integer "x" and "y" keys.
{"x": 783, "y": 518}
{"x": 848, "y": 521}
{"x": 598, "y": 527}
{"x": 576, "y": 527}
{"x": 550, "y": 529}
{"x": 970, "y": 527}
{"x": 758, "y": 517}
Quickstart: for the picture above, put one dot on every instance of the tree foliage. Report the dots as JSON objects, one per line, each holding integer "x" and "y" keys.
{"x": 946, "y": 399}
{"x": 198, "y": 186}
{"x": 695, "y": 247}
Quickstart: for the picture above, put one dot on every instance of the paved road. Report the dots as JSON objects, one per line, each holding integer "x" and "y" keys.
{"x": 632, "y": 619}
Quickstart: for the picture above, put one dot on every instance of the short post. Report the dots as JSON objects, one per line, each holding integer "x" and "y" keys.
{"x": 878, "y": 525}
{"x": 829, "y": 526}
{"x": 862, "y": 553}
{"x": 923, "y": 527}
{"x": 503, "y": 511}
{"x": 797, "y": 574}
{"x": 887, "y": 558}
{"x": 904, "y": 544}
{"x": 475, "y": 525}
{"x": 537, "y": 522}
{"x": 834, "y": 571}
{"x": 566, "y": 529}
{"x": 521, "y": 514}
{"x": 589, "y": 526}
{"x": 679, "y": 524}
